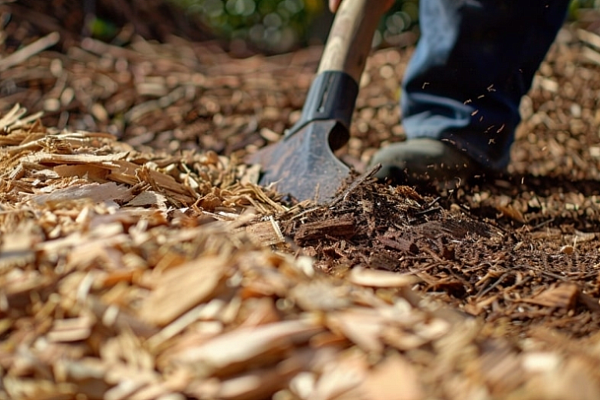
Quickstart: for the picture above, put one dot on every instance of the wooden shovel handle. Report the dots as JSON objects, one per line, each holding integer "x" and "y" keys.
{"x": 351, "y": 36}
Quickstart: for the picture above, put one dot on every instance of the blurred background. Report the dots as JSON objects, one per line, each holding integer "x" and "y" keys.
{"x": 243, "y": 27}
{"x": 277, "y": 26}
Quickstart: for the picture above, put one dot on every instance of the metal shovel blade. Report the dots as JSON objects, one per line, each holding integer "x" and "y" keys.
{"x": 303, "y": 164}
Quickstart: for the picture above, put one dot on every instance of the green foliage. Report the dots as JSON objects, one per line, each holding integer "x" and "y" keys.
{"x": 576, "y": 5}
{"x": 102, "y": 29}
{"x": 279, "y": 25}
{"x": 402, "y": 17}
{"x": 271, "y": 25}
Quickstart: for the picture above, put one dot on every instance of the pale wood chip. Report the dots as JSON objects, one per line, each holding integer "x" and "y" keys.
{"x": 38, "y": 389}
{"x": 377, "y": 278}
{"x": 236, "y": 348}
{"x": 85, "y": 369}
{"x": 581, "y": 237}
{"x": 15, "y": 113}
{"x": 55, "y": 159}
{"x": 393, "y": 379}
{"x": 166, "y": 184}
{"x": 341, "y": 378}
{"x": 589, "y": 38}
{"x": 181, "y": 288}
{"x": 262, "y": 311}
{"x": 540, "y": 362}
{"x": 125, "y": 172}
{"x": 70, "y": 330}
{"x": 176, "y": 326}
{"x": 574, "y": 378}
{"x": 154, "y": 390}
{"x": 361, "y": 326}
{"x": 321, "y": 295}
{"x": 105, "y": 192}
{"x": 123, "y": 390}
{"x": 117, "y": 371}
{"x": 91, "y": 172}
{"x": 303, "y": 384}
{"x": 149, "y": 198}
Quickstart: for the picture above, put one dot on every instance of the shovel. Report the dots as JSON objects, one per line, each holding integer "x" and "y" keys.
{"x": 302, "y": 163}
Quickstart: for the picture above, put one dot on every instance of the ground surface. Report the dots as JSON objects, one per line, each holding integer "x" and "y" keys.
{"x": 102, "y": 238}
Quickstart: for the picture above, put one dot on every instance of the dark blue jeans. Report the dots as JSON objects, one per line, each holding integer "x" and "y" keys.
{"x": 473, "y": 63}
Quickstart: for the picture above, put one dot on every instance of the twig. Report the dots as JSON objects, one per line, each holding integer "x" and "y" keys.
{"x": 359, "y": 181}
{"x": 21, "y": 55}
{"x": 488, "y": 289}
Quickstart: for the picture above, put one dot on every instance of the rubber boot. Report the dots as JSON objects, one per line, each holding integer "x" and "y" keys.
{"x": 425, "y": 161}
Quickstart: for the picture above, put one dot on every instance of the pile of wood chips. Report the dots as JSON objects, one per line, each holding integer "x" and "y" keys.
{"x": 143, "y": 276}
{"x": 139, "y": 259}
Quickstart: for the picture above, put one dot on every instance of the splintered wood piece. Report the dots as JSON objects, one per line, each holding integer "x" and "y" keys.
{"x": 563, "y": 296}
{"x": 54, "y": 159}
{"x": 234, "y": 349}
{"x": 98, "y": 193}
{"x": 92, "y": 172}
{"x": 265, "y": 233}
{"x": 198, "y": 280}
{"x": 148, "y": 198}
{"x": 339, "y": 227}
{"x": 373, "y": 278}
{"x": 14, "y": 115}
{"x": 125, "y": 172}
{"x": 162, "y": 183}
{"x": 400, "y": 244}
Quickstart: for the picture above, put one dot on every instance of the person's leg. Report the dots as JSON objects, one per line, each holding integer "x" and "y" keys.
{"x": 473, "y": 63}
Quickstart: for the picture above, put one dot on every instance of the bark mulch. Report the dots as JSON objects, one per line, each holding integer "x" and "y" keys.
{"x": 139, "y": 259}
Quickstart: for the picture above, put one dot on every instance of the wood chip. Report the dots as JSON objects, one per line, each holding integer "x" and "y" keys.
{"x": 394, "y": 378}
{"x": 96, "y": 192}
{"x": 563, "y": 296}
{"x": 199, "y": 279}
{"x": 374, "y": 278}
{"x": 248, "y": 345}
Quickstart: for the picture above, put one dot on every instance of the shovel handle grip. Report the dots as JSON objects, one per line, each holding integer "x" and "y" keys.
{"x": 351, "y": 36}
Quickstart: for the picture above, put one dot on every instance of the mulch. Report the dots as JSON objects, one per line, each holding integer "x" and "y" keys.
{"x": 139, "y": 258}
